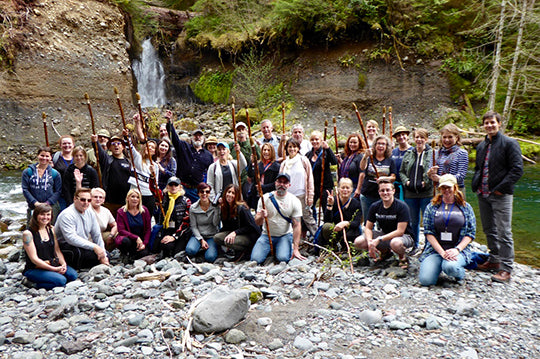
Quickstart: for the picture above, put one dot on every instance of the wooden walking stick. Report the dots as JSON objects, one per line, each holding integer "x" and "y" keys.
{"x": 433, "y": 164}
{"x": 336, "y": 141}
{"x": 365, "y": 138}
{"x": 390, "y": 119}
{"x": 153, "y": 183}
{"x": 237, "y": 152}
{"x": 323, "y": 157}
{"x": 283, "y": 117}
{"x": 44, "y": 117}
{"x": 248, "y": 122}
{"x": 384, "y": 120}
{"x": 260, "y": 191}
{"x": 94, "y": 144}
{"x": 344, "y": 231}
{"x": 129, "y": 145}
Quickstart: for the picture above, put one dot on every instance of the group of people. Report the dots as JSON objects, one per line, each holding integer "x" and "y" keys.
{"x": 171, "y": 194}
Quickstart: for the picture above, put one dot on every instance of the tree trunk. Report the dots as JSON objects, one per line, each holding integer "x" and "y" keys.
{"x": 517, "y": 51}
{"x": 497, "y": 60}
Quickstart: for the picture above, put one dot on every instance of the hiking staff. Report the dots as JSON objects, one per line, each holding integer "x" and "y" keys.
{"x": 248, "y": 122}
{"x": 433, "y": 143}
{"x": 390, "y": 119}
{"x": 259, "y": 189}
{"x": 44, "y": 117}
{"x": 94, "y": 144}
{"x": 153, "y": 183}
{"x": 237, "y": 151}
{"x": 323, "y": 157}
{"x": 365, "y": 138}
{"x": 344, "y": 231}
{"x": 125, "y": 128}
{"x": 336, "y": 140}
{"x": 283, "y": 117}
{"x": 384, "y": 120}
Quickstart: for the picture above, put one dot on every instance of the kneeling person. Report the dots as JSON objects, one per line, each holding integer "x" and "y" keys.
{"x": 284, "y": 212}
{"x": 393, "y": 219}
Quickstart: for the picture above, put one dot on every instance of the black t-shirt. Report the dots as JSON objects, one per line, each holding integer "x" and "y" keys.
{"x": 385, "y": 168}
{"x": 118, "y": 185}
{"x": 449, "y": 220}
{"x": 227, "y": 176}
{"x": 388, "y": 218}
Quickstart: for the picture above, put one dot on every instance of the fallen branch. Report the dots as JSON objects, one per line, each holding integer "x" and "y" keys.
{"x": 195, "y": 265}
{"x": 161, "y": 276}
{"x": 325, "y": 249}
{"x": 483, "y": 134}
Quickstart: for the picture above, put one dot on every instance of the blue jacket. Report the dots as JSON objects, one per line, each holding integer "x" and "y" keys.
{"x": 46, "y": 189}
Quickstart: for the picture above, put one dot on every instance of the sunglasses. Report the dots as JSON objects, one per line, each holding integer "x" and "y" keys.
{"x": 84, "y": 200}
{"x": 205, "y": 191}
{"x": 173, "y": 184}
{"x": 116, "y": 143}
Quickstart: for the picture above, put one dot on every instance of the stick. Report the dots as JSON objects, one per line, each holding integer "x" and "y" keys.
{"x": 336, "y": 140}
{"x": 325, "y": 249}
{"x": 94, "y": 144}
{"x": 237, "y": 152}
{"x": 384, "y": 120}
{"x": 153, "y": 183}
{"x": 259, "y": 189}
{"x": 390, "y": 119}
{"x": 44, "y": 117}
{"x": 365, "y": 136}
{"x": 283, "y": 117}
{"x": 344, "y": 232}
{"x": 322, "y": 173}
{"x": 129, "y": 146}
{"x": 433, "y": 163}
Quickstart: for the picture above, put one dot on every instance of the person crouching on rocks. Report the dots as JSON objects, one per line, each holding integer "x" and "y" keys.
{"x": 395, "y": 234}
{"x": 45, "y": 264}
{"x": 284, "y": 213}
{"x": 134, "y": 226}
{"x": 449, "y": 227}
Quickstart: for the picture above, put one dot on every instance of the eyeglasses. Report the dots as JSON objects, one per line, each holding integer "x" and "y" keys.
{"x": 116, "y": 143}
{"x": 205, "y": 191}
{"x": 84, "y": 200}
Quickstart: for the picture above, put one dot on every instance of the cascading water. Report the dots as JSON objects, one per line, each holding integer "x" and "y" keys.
{"x": 150, "y": 76}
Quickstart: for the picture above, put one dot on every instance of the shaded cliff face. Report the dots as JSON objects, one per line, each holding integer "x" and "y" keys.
{"x": 71, "y": 47}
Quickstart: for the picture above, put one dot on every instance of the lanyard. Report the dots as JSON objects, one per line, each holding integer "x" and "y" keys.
{"x": 447, "y": 218}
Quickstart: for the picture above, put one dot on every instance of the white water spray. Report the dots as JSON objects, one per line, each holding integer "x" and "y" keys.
{"x": 150, "y": 76}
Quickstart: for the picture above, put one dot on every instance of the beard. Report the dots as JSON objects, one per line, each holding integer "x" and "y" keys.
{"x": 281, "y": 190}
{"x": 197, "y": 143}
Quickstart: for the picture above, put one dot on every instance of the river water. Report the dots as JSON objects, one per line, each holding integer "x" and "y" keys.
{"x": 526, "y": 223}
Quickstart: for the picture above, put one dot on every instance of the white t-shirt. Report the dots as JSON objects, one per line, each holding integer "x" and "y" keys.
{"x": 104, "y": 217}
{"x": 289, "y": 206}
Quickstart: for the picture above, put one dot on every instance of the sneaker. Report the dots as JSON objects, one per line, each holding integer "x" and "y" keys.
{"x": 27, "y": 283}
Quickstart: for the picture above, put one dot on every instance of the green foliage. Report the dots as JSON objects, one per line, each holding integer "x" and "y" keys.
{"x": 362, "y": 79}
{"x": 529, "y": 150}
{"x": 179, "y": 4}
{"x": 213, "y": 86}
{"x": 143, "y": 24}
{"x": 346, "y": 60}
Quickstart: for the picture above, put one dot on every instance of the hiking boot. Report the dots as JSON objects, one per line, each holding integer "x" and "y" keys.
{"x": 502, "y": 277}
{"x": 488, "y": 266}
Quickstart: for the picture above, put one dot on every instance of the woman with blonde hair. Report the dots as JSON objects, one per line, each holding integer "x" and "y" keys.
{"x": 134, "y": 226}
{"x": 372, "y": 129}
{"x": 449, "y": 227}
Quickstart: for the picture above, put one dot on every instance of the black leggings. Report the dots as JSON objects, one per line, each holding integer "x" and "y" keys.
{"x": 78, "y": 257}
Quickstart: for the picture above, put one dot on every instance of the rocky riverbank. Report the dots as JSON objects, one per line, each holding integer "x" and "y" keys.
{"x": 309, "y": 309}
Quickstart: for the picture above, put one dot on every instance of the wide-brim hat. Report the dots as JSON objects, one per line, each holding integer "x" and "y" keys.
{"x": 211, "y": 140}
{"x": 104, "y": 133}
{"x": 399, "y": 130}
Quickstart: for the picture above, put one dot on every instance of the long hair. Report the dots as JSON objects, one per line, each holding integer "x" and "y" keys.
{"x": 453, "y": 130}
{"x": 146, "y": 155}
{"x": 460, "y": 200}
{"x": 388, "y": 151}
{"x": 34, "y": 224}
{"x": 272, "y": 151}
{"x": 291, "y": 141}
{"x": 361, "y": 145}
{"x": 230, "y": 211}
{"x": 130, "y": 192}
{"x": 167, "y": 157}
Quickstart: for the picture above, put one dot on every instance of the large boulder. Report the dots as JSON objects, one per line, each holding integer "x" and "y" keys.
{"x": 221, "y": 310}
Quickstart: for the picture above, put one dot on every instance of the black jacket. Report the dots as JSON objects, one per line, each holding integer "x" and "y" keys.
{"x": 505, "y": 164}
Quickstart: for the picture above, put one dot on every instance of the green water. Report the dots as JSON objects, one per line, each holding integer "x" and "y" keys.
{"x": 526, "y": 216}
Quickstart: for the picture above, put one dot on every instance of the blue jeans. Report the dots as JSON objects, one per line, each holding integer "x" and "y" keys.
{"x": 366, "y": 202}
{"x": 192, "y": 194}
{"x": 496, "y": 216}
{"x": 282, "y": 248}
{"x": 194, "y": 246}
{"x": 431, "y": 267}
{"x": 416, "y": 206}
{"x": 48, "y": 279}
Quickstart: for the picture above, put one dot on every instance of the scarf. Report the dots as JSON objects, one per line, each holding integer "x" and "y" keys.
{"x": 290, "y": 162}
{"x": 172, "y": 201}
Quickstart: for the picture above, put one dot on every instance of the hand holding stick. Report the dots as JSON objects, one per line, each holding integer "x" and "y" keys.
{"x": 44, "y": 117}
{"x": 94, "y": 144}
{"x": 365, "y": 138}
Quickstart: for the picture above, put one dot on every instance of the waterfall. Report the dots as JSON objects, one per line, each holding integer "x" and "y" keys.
{"x": 150, "y": 76}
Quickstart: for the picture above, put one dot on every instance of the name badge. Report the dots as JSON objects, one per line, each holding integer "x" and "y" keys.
{"x": 446, "y": 237}
{"x": 171, "y": 224}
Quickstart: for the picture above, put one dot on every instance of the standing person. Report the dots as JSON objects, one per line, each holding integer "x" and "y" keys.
{"x": 45, "y": 264}
{"x": 79, "y": 234}
{"x": 211, "y": 145}
{"x": 192, "y": 159}
{"x": 372, "y": 129}
{"x": 78, "y": 174}
{"x": 283, "y": 211}
{"x": 367, "y": 189}
{"x": 224, "y": 172}
{"x": 61, "y": 161}
{"x": 166, "y": 162}
{"x": 297, "y": 132}
{"x": 498, "y": 167}
{"x": 204, "y": 220}
{"x": 176, "y": 232}
{"x": 115, "y": 172}
{"x": 268, "y": 170}
{"x": 245, "y": 149}
{"x": 414, "y": 174}
{"x": 349, "y": 162}
{"x": 451, "y": 158}
{"x": 315, "y": 156}
{"x": 352, "y": 216}
{"x": 239, "y": 230}
{"x": 107, "y": 223}
{"x": 267, "y": 129}
{"x": 41, "y": 184}
{"x": 103, "y": 138}
{"x": 401, "y": 134}
{"x": 449, "y": 226}
{"x": 392, "y": 217}
{"x": 134, "y": 227}
{"x": 299, "y": 170}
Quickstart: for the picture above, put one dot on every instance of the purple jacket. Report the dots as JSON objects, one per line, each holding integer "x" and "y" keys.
{"x": 123, "y": 226}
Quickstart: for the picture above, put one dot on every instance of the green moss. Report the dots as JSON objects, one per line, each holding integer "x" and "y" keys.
{"x": 213, "y": 86}
{"x": 529, "y": 150}
{"x": 362, "y": 79}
